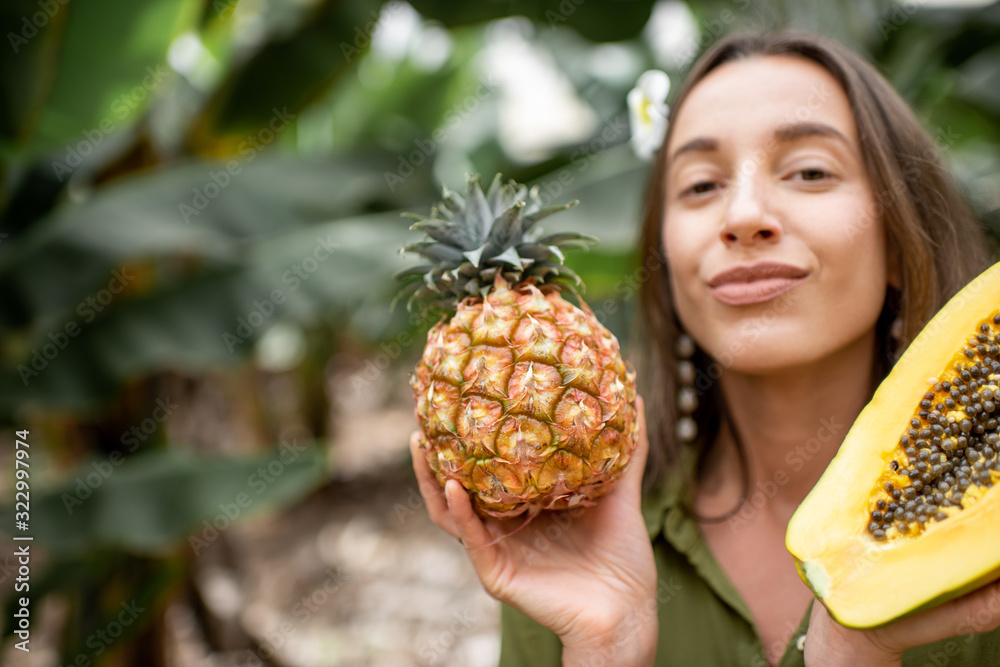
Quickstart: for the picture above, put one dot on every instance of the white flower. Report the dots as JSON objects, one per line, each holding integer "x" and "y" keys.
{"x": 647, "y": 112}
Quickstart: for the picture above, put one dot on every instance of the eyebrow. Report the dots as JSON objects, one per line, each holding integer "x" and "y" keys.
{"x": 783, "y": 133}
{"x": 794, "y": 131}
{"x": 697, "y": 145}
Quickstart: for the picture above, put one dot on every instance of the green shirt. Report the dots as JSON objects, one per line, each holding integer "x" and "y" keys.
{"x": 703, "y": 620}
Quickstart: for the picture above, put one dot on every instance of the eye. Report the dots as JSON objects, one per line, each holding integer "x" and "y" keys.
{"x": 810, "y": 175}
{"x": 813, "y": 174}
{"x": 700, "y": 188}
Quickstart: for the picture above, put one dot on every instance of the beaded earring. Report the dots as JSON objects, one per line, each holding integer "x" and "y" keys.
{"x": 687, "y": 397}
{"x": 687, "y": 428}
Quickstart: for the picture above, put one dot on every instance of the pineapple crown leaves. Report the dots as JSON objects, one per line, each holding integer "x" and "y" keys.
{"x": 474, "y": 239}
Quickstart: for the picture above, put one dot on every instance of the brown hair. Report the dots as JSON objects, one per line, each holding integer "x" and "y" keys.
{"x": 934, "y": 242}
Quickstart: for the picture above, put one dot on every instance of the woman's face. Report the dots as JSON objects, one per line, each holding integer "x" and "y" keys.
{"x": 775, "y": 255}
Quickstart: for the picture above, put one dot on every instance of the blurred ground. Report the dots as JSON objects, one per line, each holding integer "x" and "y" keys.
{"x": 356, "y": 575}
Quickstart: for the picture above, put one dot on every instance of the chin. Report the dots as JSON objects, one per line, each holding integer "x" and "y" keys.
{"x": 773, "y": 353}
{"x": 776, "y": 338}
{"x": 768, "y": 364}
{"x": 762, "y": 360}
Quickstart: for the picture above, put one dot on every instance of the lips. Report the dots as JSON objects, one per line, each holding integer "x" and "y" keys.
{"x": 747, "y": 285}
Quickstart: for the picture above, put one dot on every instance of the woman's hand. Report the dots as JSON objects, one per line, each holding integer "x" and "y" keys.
{"x": 830, "y": 644}
{"x": 586, "y": 574}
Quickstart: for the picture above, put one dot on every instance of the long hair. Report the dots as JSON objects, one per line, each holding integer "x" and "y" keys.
{"x": 932, "y": 238}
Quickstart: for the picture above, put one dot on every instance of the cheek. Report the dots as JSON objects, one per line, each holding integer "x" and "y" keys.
{"x": 683, "y": 245}
{"x": 859, "y": 243}
{"x": 681, "y": 259}
{"x": 862, "y": 227}
{"x": 683, "y": 253}
{"x": 856, "y": 287}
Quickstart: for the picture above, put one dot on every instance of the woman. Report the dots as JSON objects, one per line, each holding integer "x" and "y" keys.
{"x": 804, "y": 230}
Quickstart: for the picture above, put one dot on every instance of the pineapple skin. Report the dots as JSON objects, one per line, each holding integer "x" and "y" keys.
{"x": 525, "y": 400}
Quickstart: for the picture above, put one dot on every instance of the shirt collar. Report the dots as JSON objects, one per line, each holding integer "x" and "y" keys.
{"x": 670, "y": 493}
{"x": 665, "y": 510}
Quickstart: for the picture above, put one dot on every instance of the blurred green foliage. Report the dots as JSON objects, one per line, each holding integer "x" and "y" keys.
{"x": 180, "y": 176}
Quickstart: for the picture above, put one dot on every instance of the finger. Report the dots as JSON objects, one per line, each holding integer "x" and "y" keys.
{"x": 471, "y": 529}
{"x": 437, "y": 506}
{"x": 632, "y": 477}
{"x": 976, "y": 612}
{"x": 982, "y": 609}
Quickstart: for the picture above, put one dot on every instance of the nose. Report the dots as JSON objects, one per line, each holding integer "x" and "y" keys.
{"x": 748, "y": 217}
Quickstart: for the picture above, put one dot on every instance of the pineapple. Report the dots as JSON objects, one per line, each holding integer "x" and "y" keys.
{"x": 521, "y": 396}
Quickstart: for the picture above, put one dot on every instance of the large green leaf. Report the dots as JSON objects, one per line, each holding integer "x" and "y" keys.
{"x": 195, "y": 277}
{"x": 181, "y": 211}
{"x": 291, "y": 70}
{"x": 213, "y": 318}
{"x": 597, "y": 21}
{"x": 150, "y": 502}
{"x": 94, "y": 69}
{"x": 31, "y": 41}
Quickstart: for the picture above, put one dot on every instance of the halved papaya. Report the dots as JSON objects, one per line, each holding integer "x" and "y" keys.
{"x": 907, "y": 515}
